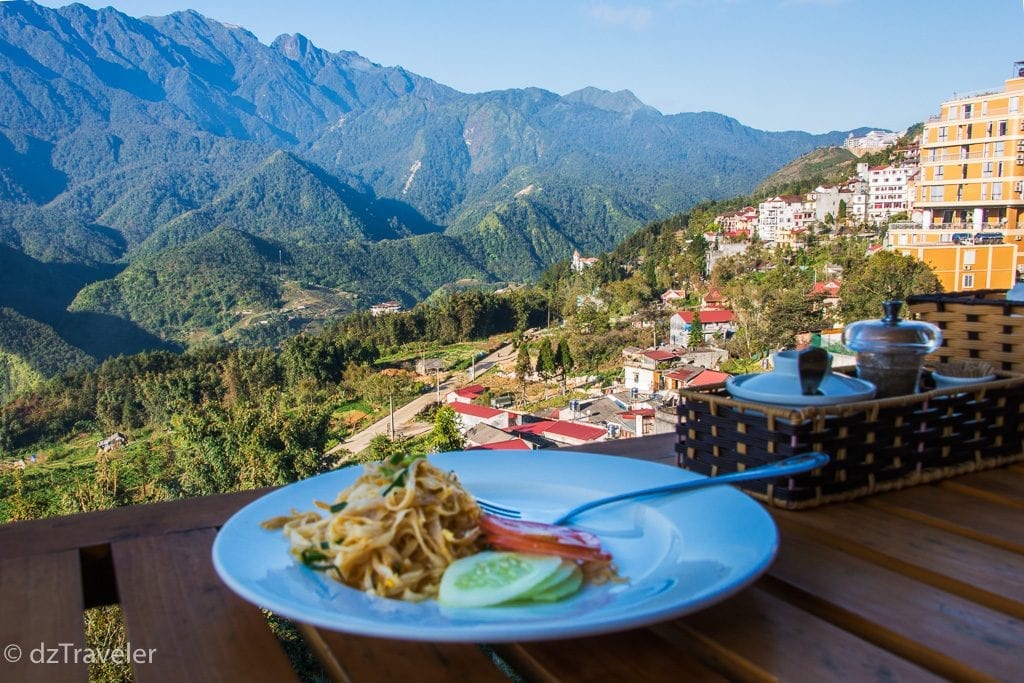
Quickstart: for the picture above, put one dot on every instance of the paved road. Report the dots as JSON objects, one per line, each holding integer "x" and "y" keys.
{"x": 404, "y": 423}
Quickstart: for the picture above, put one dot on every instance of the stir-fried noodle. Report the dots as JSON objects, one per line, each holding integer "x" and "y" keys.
{"x": 389, "y": 534}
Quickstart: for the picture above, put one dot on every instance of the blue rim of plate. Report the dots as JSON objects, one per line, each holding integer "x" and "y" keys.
{"x": 681, "y": 552}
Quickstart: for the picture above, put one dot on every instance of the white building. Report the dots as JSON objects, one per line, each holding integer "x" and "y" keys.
{"x": 778, "y": 214}
{"x": 888, "y": 191}
{"x": 712, "y": 322}
{"x": 827, "y": 199}
{"x": 470, "y": 415}
{"x": 581, "y": 263}
{"x": 873, "y": 141}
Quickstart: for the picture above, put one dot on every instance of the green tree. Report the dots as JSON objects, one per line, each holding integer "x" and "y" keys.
{"x": 546, "y": 366}
{"x": 564, "y": 361}
{"x": 886, "y": 276}
{"x": 446, "y": 436}
{"x": 696, "y": 336}
{"x": 382, "y": 447}
{"x": 523, "y": 366}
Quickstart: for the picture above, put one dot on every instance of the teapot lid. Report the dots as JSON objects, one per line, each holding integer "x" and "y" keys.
{"x": 892, "y": 333}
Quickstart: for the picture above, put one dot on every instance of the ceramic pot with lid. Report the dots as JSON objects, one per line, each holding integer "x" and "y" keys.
{"x": 890, "y": 351}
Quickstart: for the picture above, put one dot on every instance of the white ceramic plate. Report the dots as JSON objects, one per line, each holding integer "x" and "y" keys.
{"x": 680, "y": 552}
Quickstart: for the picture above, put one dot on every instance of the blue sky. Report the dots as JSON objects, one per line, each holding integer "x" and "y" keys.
{"x": 813, "y": 65}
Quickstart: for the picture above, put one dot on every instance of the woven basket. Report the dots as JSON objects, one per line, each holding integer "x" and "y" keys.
{"x": 875, "y": 446}
{"x": 980, "y": 324}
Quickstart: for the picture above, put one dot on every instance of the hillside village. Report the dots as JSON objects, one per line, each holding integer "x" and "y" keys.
{"x": 950, "y": 198}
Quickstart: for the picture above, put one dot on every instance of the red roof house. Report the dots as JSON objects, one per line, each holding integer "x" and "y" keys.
{"x": 470, "y": 415}
{"x": 465, "y": 394}
{"x": 562, "y": 431}
{"x": 509, "y": 445}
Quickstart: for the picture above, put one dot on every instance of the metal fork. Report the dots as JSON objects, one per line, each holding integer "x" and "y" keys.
{"x": 790, "y": 466}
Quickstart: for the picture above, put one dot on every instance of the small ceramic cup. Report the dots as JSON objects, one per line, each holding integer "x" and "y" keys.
{"x": 961, "y": 372}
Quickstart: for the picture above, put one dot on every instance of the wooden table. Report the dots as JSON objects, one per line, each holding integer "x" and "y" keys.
{"x": 926, "y": 583}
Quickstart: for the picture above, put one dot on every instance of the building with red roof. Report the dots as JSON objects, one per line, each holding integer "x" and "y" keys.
{"x": 508, "y": 444}
{"x": 465, "y": 394}
{"x": 562, "y": 432}
{"x": 713, "y": 322}
{"x": 659, "y": 356}
{"x": 713, "y": 299}
{"x": 828, "y": 289}
{"x": 670, "y": 296}
{"x": 470, "y": 415}
{"x": 693, "y": 378}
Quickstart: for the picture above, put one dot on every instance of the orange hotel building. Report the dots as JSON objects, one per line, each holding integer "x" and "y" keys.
{"x": 970, "y": 194}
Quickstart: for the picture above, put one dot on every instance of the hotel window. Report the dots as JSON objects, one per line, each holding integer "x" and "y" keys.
{"x": 999, "y": 169}
{"x": 943, "y": 133}
{"x": 960, "y": 193}
{"x": 1014, "y": 105}
{"x": 997, "y": 190}
{"x": 969, "y": 257}
{"x": 931, "y": 155}
{"x": 937, "y": 195}
{"x": 940, "y": 172}
{"x": 997, "y": 149}
{"x": 965, "y": 151}
{"x": 953, "y": 114}
{"x": 984, "y": 108}
{"x": 984, "y": 191}
{"x": 963, "y": 171}
{"x": 988, "y": 129}
{"x": 968, "y": 282}
{"x": 986, "y": 169}
{"x": 967, "y": 111}
{"x": 1002, "y": 128}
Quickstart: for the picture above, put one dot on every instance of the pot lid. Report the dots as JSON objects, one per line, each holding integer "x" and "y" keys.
{"x": 892, "y": 334}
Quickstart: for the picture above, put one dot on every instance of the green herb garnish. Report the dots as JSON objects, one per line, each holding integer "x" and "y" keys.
{"x": 338, "y": 507}
{"x": 314, "y": 559}
{"x": 396, "y": 482}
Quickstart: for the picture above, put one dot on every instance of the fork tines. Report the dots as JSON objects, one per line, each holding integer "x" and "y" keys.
{"x": 495, "y": 509}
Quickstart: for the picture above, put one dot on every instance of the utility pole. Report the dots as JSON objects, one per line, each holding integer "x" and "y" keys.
{"x": 391, "y": 404}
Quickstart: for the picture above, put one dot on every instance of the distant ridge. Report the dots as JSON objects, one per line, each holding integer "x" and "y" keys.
{"x": 125, "y": 140}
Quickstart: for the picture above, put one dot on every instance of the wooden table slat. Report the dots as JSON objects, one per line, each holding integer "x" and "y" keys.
{"x": 42, "y": 607}
{"x": 1004, "y": 485}
{"x": 67, "y": 532}
{"x": 174, "y": 602}
{"x": 940, "y": 631}
{"x": 610, "y": 657}
{"x": 962, "y": 514}
{"x": 744, "y": 634}
{"x": 974, "y": 570}
{"x": 360, "y": 658}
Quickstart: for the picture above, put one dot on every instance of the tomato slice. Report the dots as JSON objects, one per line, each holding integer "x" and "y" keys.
{"x": 545, "y": 539}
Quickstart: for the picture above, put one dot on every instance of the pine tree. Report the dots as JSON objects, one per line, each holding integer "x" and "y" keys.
{"x": 523, "y": 366}
{"x": 564, "y": 361}
{"x": 696, "y": 337}
{"x": 546, "y": 366}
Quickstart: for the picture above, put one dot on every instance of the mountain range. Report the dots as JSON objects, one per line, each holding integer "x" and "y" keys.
{"x": 160, "y": 174}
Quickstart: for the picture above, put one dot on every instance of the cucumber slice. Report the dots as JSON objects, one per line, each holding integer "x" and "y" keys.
{"x": 560, "y": 590}
{"x": 563, "y": 572}
{"x": 491, "y": 578}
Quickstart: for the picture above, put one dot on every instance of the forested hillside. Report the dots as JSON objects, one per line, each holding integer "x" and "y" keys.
{"x": 122, "y": 138}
